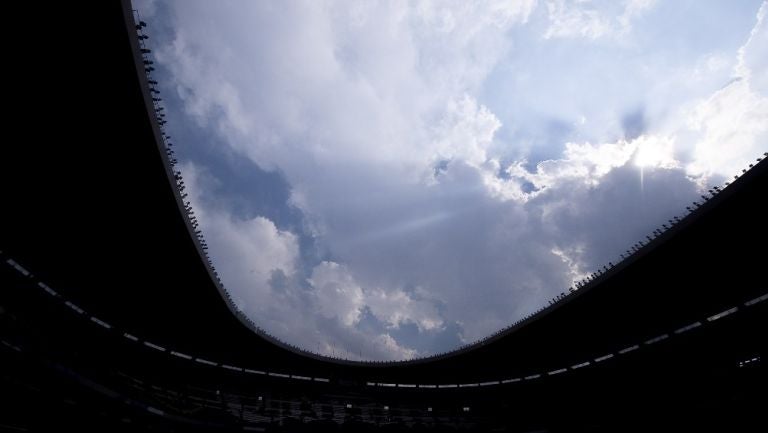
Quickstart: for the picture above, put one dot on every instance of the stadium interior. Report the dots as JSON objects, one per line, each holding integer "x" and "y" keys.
{"x": 113, "y": 318}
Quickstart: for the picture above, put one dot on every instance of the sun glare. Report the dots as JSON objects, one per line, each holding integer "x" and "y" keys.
{"x": 655, "y": 152}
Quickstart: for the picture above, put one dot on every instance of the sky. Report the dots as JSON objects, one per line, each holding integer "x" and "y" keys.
{"x": 384, "y": 180}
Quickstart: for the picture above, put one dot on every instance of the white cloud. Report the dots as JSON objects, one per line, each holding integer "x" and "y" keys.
{"x": 592, "y": 20}
{"x": 396, "y": 307}
{"x": 633, "y": 9}
{"x": 247, "y": 254}
{"x": 459, "y": 42}
{"x": 386, "y": 341}
{"x": 575, "y": 20}
{"x": 655, "y": 152}
{"x": 581, "y": 162}
{"x": 752, "y": 61}
{"x": 423, "y": 213}
{"x": 337, "y": 293}
{"x": 735, "y": 117}
{"x": 248, "y": 251}
{"x": 465, "y": 131}
{"x": 575, "y": 272}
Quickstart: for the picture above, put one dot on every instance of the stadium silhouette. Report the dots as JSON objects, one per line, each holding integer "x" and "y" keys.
{"x": 113, "y": 318}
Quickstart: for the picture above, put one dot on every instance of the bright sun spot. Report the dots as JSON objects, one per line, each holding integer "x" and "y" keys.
{"x": 656, "y": 152}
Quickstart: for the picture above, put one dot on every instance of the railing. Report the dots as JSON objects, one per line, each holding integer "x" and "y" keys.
{"x": 530, "y": 376}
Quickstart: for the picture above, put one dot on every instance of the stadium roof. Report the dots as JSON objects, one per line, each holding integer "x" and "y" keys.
{"x": 93, "y": 209}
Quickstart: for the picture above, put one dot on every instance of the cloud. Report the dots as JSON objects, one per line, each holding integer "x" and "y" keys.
{"x": 584, "y": 162}
{"x": 572, "y": 20}
{"x": 248, "y": 252}
{"x": 337, "y": 293}
{"x": 465, "y": 131}
{"x": 592, "y": 20}
{"x": 734, "y": 117}
{"x": 633, "y": 9}
{"x": 752, "y": 62}
{"x": 417, "y": 216}
{"x": 258, "y": 265}
{"x": 396, "y": 307}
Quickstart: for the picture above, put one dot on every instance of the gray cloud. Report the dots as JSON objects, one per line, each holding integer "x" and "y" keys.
{"x": 361, "y": 198}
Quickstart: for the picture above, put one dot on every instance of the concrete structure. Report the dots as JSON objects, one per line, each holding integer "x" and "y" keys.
{"x": 110, "y": 316}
